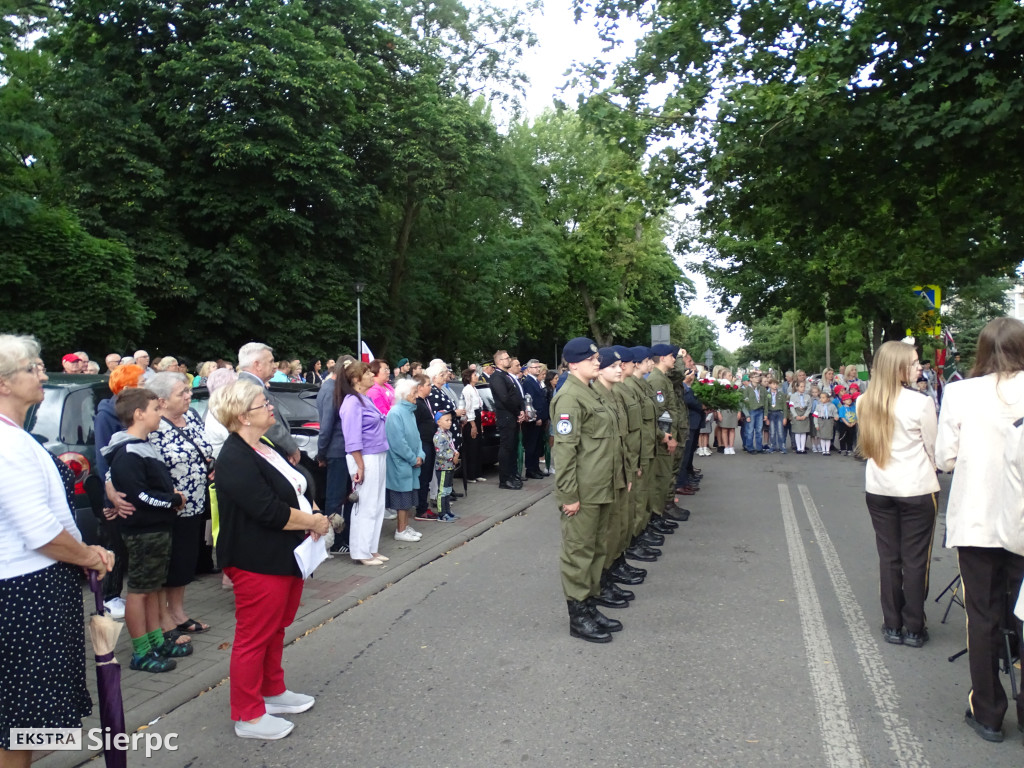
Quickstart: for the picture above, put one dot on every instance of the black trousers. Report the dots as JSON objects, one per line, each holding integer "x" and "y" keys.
{"x": 992, "y": 579}
{"x": 533, "y": 446}
{"x": 470, "y": 453}
{"x": 847, "y": 436}
{"x": 426, "y": 475}
{"x": 508, "y": 437}
{"x": 904, "y": 528}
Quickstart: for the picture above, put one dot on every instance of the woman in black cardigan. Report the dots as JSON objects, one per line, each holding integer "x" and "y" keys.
{"x": 264, "y": 516}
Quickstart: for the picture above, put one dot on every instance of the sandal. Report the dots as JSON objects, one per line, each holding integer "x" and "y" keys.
{"x": 192, "y": 626}
{"x": 173, "y": 650}
{"x": 177, "y": 636}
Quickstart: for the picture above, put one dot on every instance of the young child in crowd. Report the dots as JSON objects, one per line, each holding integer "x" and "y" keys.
{"x": 137, "y": 470}
{"x": 776, "y": 416}
{"x": 444, "y": 466}
{"x": 846, "y": 427}
{"x": 814, "y": 392}
{"x": 800, "y": 405}
{"x": 825, "y": 416}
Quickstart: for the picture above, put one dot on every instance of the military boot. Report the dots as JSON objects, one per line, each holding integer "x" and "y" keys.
{"x": 650, "y": 538}
{"x": 608, "y": 625}
{"x": 620, "y": 574}
{"x": 583, "y": 625}
{"x": 620, "y": 562}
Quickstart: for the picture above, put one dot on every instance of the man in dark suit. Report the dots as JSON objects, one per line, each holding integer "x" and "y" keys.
{"x": 508, "y": 408}
{"x": 535, "y": 430}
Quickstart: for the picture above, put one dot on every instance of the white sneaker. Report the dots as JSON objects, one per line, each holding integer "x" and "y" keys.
{"x": 267, "y": 727}
{"x": 406, "y": 535}
{"x": 412, "y": 530}
{"x": 115, "y": 607}
{"x": 390, "y": 514}
{"x": 288, "y": 703}
{"x": 481, "y": 479}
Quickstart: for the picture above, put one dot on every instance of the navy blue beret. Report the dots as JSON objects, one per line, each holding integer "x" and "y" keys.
{"x": 579, "y": 349}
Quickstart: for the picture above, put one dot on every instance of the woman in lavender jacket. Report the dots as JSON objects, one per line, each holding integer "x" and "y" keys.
{"x": 366, "y": 446}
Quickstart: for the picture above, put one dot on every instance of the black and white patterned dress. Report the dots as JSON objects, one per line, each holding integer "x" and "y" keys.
{"x": 186, "y": 452}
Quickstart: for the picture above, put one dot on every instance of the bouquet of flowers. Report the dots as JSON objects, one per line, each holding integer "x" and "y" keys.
{"x": 718, "y": 396}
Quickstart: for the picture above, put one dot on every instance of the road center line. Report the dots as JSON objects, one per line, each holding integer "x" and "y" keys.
{"x": 840, "y": 742}
{"x": 906, "y": 746}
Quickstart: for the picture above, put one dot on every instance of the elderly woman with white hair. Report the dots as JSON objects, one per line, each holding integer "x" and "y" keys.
{"x": 42, "y": 627}
{"x": 405, "y": 457}
{"x": 182, "y": 444}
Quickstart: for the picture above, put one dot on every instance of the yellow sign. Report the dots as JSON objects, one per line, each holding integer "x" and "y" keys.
{"x": 931, "y": 295}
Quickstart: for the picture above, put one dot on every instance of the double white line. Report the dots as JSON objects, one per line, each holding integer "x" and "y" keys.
{"x": 840, "y": 740}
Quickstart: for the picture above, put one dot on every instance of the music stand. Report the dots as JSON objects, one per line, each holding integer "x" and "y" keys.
{"x": 955, "y": 585}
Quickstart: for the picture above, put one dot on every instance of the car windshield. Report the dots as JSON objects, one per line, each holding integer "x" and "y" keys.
{"x": 43, "y": 421}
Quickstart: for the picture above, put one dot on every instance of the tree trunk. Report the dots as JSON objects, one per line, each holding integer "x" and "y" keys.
{"x": 588, "y": 305}
{"x": 410, "y": 212}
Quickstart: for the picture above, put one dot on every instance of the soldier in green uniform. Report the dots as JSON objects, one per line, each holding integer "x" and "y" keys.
{"x": 662, "y": 495}
{"x": 608, "y": 387}
{"x": 585, "y": 452}
{"x": 654, "y": 526}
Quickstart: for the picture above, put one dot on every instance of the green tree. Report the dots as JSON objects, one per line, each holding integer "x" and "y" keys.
{"x": 854, "y": 149}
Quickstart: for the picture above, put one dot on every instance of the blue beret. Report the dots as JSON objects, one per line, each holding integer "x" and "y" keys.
{"x": 660, "y": 350}
{"x": 640, "y": 353}
{"x": 609, "y": 357}
{"x": 625, "y": 353}
{"x": 579, "y": 349}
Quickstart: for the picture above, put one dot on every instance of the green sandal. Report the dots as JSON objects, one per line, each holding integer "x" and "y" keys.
{"x": 173, "y": 650}
{"x": 152, "y": 662}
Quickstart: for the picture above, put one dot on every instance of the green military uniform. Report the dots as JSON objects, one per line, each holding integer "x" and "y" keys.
{"x": 589, "y": 459}
{"x": 629, "y": 407}
{"x": 662, "y": 490}
{"x": 649, "y": 437}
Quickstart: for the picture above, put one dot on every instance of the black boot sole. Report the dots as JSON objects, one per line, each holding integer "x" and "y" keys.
{"x": 602, "y": 638}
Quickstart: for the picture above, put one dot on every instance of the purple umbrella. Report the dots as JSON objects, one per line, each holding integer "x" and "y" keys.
{"x": 104, "y": 632}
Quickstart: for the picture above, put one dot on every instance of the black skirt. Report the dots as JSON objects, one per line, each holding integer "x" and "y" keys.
{"x": 42, "y": 651}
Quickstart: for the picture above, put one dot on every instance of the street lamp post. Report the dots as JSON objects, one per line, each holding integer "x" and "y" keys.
{"x": 828, "y": 345}
{"x": 359, "y": 321}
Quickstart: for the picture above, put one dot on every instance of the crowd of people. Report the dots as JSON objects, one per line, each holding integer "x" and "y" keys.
{"x": 622, "y": 425}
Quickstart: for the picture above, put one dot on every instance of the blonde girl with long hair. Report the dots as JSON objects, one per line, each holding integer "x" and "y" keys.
{"x": 897, "y": 437}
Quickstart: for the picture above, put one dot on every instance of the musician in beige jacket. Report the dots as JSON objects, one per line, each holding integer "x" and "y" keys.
{"x": 977, "y": 415}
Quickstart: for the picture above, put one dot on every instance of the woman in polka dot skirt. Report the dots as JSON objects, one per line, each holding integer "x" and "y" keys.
{"x": 42, "y": 627}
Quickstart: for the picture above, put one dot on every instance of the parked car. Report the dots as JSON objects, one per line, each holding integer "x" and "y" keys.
{"x": 297, "y": 407}
{"x": 63, "y": 424}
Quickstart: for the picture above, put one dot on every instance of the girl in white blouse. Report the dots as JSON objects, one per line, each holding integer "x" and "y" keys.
{"x": 897, "y": 437}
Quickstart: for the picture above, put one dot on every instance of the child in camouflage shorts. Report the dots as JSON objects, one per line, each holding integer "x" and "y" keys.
{"x": 444, "y": 466}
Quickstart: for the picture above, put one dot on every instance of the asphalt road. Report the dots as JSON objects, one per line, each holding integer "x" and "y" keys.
{"x": 754, "y": 642}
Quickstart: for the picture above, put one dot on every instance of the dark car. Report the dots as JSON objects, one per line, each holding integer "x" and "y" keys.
{"x": 488, "y": 422}
{"x": 297, "y": 407}
{"x": 63, "y": 424}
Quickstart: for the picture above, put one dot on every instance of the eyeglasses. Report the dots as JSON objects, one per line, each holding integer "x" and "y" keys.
{"x": 267, "y": 404}
{"x": 36, "y": 368}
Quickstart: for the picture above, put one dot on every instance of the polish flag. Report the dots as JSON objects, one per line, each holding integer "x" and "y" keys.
{"x": 365, "y": 354}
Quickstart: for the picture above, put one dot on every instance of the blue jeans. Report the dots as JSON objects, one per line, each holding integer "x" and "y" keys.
{"x": 776, "y": 431}
{"x": 752, "y": 429}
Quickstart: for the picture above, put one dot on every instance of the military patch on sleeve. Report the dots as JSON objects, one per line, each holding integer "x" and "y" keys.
{"x": 564, "y": 425}
{"x": 660, "y": 397}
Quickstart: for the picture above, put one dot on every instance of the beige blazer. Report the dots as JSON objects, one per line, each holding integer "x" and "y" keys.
{"x": 1010, "y": 523}
{"x": 910, "y": 470}
{"x": 976, "y": 417}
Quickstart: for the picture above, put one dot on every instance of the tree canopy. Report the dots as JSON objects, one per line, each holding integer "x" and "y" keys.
{"x": 848, "y": 149}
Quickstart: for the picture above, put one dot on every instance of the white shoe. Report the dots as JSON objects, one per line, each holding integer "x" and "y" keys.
{"x": 412, "y": 530}
{"x": 481, "y": 479}
{"x": 406, "y": 535}
{"x": 267, "y": 727}
{"x": 115, "y": 607}
{"x": 288, "y": 703}
{"x": 390, "y": 514}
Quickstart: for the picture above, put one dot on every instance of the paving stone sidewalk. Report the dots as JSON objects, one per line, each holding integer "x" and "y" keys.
{"x": 338, "y": 585}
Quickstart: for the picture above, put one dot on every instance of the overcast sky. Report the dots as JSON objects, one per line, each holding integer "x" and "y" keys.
{"x": 563, "y": 42}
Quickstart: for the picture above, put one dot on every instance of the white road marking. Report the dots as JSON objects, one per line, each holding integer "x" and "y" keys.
{"x": 906, "y": 746}
{"x": 840, "y": 742}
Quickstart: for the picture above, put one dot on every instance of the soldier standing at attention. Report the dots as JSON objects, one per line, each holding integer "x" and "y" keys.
{"x": 585, "y": 452}
{"x": 609, "y": 379}
{"x": 669, "y": 419}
